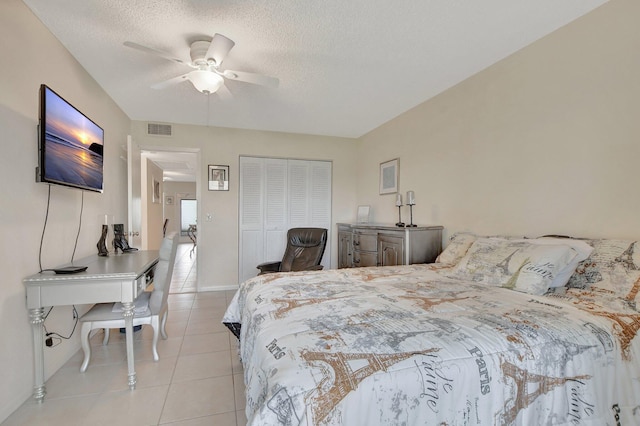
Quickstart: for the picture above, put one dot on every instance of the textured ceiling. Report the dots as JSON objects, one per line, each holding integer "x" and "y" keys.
{"x": 345, "y": 67}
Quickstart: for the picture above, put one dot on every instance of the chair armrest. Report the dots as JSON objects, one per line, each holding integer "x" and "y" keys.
{"x": 269, "y": 267}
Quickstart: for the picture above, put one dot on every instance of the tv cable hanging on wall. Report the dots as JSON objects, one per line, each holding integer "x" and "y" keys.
{"x": 71, "y": 269}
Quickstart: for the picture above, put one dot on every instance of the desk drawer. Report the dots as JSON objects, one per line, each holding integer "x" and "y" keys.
{"x": 141, "y": 284}
{"x": 74, "y": 294}
{"x": 144, "y": 280}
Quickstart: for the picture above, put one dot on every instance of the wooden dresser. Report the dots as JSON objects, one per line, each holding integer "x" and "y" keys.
{"x": 387, "y": 245}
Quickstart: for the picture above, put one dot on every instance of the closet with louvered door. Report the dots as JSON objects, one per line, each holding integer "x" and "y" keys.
{"x": 276, "y": 195}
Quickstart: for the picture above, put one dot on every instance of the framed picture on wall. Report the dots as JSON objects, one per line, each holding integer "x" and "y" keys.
{"x": 389, "y": 176}
{"x": 218, "y": 178}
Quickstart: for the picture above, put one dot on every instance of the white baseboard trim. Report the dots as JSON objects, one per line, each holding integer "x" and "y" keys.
{"x": 218, "y": 288}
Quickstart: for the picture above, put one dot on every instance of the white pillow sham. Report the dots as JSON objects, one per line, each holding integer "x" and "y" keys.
{"x": 581, "y": 247}
{"x": 517, "y": 264}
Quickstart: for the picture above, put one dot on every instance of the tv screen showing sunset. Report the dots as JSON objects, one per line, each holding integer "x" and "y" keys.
{"x": 73, "y": 145}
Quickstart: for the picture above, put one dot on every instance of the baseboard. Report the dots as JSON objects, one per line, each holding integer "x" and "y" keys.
{"x": 218, "y": 288}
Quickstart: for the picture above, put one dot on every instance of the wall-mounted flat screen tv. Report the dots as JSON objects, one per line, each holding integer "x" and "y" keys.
{"x": 70, "y": 145}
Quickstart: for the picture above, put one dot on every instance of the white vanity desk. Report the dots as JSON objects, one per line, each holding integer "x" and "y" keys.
{"x": 115, "y": 278}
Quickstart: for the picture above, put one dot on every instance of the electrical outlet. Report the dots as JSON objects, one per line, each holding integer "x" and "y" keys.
{"x": 49, "y": 341}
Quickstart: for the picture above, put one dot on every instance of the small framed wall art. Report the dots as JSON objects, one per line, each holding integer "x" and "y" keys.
{"x": 218, "y": 178}
{"x": 363, "y": 214}
{"x": 389, "y": 176}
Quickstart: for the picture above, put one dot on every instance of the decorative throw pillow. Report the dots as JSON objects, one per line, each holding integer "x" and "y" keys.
{"x": 580, "y": 246}
{"x": 517, "y": 264}
{"x": 458, "y": 246}
{"x": 613, "y": 267}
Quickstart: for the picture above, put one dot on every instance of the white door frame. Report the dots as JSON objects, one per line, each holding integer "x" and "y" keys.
{"x": 131, "y": 203}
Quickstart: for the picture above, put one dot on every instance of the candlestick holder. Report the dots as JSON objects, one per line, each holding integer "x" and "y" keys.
{"x": 400, "y": 223}
{"x": 411, "y": 225}
{"x": 411, "y": 201}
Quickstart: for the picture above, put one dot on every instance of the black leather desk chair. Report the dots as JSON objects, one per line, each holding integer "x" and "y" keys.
{"x": 305, "y": 247}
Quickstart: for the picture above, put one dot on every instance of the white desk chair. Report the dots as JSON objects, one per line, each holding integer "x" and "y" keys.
{"x": 150, "y": 307}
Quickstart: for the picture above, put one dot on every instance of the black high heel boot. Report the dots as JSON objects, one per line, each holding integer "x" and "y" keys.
{"x": 119, "y": 239}
{"x": 102, "y": 245}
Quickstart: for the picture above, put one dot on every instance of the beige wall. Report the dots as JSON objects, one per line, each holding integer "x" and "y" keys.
{"x": 545, "y": 141}
{"x": 218, "y": 239}
{"x": 31, "y": 56}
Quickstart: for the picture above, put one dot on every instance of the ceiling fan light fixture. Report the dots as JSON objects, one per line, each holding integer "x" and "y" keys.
{"x": 206, "y": 81}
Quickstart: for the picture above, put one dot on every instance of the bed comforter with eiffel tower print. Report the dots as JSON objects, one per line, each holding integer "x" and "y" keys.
{"x": 413, "y": 345}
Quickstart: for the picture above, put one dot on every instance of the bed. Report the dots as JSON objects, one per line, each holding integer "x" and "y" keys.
{"x": 498, "y": 331}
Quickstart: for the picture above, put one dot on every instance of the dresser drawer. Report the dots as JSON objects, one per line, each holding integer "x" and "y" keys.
{"x": 365, "y": 241}
{"x": 364, "y": 259}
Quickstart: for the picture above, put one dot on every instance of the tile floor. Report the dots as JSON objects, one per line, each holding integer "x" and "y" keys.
{"x": 197, "y": 381}
{"x": 184, "y": 271}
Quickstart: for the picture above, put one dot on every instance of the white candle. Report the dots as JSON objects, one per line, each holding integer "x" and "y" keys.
{"x": 411, "y": 198}
{"x": 398, "y": 199}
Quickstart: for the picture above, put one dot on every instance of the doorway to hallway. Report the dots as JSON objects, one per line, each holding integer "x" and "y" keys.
{"x": 178, "y": 174}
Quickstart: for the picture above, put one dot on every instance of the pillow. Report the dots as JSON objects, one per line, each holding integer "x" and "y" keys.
{"x": 613, "y": 267}
{"x": 517, "y": 264}
{"x": 458, "y": 246}
{"x": 580, "y": 246}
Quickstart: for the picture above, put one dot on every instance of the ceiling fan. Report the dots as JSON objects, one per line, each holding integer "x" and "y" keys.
{"x": 206, "y": 57}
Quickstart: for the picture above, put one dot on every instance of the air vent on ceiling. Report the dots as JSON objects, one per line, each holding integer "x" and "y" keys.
{"x": 159, "y": 129}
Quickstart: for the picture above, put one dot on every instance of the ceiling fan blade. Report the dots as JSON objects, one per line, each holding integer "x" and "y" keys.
{"x": 152, "y": 51}
{"x": 224, "y": 93}
{"x": 171, "y": 81}
{"x": 249, "y": 77}
{"x": 219, "y": 48}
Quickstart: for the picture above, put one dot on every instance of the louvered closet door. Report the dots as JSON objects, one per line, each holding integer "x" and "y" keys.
{"x": 251, "y": 216}
{"x": 310, "y": 197}
{"x": 275, "y": 214}
{"x": 279, "y": 194}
